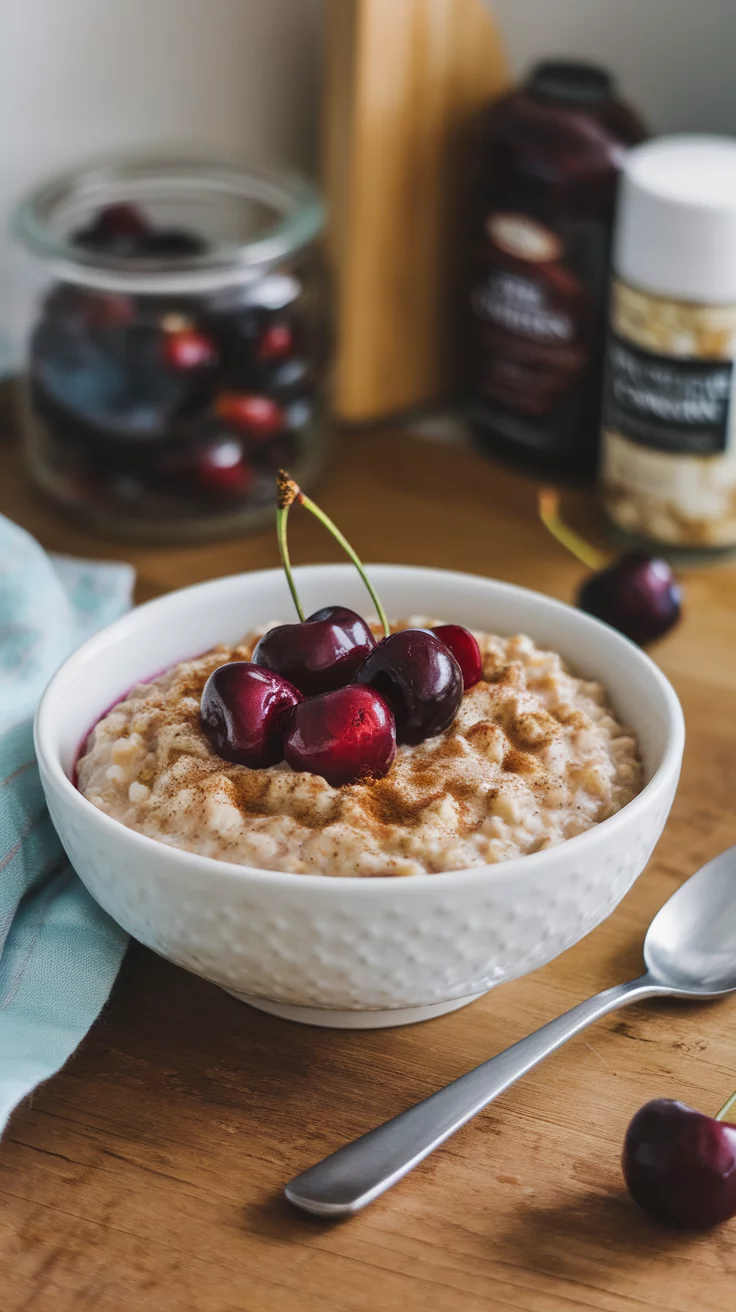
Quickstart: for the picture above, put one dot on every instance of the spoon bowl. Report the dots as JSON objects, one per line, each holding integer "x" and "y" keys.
{"x": 690, "y": 946}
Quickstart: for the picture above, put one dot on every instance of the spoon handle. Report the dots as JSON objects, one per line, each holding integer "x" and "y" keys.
{"x": 361, "y": 1171}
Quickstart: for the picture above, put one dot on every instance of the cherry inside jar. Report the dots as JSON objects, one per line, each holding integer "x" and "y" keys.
{"x": 177, "y": 355}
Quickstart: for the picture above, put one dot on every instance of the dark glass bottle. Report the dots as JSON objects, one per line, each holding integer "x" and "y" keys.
{"x": 548, "y": 161}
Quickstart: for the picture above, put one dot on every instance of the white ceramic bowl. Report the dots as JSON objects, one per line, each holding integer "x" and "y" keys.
{"x": 339, "y": 951}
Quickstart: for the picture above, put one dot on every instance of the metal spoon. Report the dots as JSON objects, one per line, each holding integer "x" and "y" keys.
{"x": 689, "y": 952}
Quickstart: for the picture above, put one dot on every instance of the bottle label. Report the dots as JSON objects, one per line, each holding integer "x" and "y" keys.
{"x": 537, "y": 309}
{"x": 512, "y": 301}
{"x": 669, "y": 419}
{"x": 680, "y": 406}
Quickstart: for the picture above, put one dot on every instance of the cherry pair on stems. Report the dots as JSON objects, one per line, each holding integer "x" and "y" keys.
{"x": 328, "y": 698}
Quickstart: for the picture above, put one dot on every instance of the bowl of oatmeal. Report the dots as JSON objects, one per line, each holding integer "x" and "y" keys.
{"x": 483, "y": 853}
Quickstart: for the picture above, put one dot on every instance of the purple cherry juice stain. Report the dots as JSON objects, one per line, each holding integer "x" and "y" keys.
{"x": 121, "y": 698}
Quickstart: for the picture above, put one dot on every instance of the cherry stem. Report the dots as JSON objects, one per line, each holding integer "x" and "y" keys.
{"x": 288, "y": 493}
{"x": 726, "y": 1108}
{"x": 282, "y": 514}
{"x": 549, "y": 513}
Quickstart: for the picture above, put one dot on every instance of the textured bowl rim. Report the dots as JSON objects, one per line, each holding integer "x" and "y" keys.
{"x": 535, "y": 863}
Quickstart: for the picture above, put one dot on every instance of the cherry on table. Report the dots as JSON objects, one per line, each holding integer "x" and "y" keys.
{"x": 345, "y": 735}
{"x": 420, "y": 679}
{"x": 258, "y": 416}
{"x": 242, "y": 712}
{"x": 465, "y": 649}
{"x": 638, "y": 595}
{"x": 322, "y": 653}
{"x": 680, "y": 1165}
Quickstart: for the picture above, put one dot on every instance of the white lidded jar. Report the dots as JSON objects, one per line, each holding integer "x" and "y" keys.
{"x": 668, "y": 468}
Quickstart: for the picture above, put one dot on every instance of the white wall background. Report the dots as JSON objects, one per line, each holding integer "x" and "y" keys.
{"x": 241, "y": 77}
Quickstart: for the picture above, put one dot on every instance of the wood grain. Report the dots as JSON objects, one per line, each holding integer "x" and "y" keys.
{"x": 148, "y": 1174}
{"x": 403, "y": 83}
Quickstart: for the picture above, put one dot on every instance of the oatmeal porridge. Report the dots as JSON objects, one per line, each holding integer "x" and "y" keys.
{"x": 533, "y": 757}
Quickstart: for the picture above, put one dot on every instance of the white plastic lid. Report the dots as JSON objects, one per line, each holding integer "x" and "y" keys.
{"x": 676, "y": 221}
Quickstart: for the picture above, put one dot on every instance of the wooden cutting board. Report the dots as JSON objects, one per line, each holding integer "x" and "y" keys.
{"x": 404, "y": 80}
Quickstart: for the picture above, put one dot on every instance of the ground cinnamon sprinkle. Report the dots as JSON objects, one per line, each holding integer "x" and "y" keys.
{"x": 510, "y": 675}
{"x": 383, "y": 804}
{"x": 517, "y": 762}
{"x": 249, "y": 789}
{"x": 533, "y": 756}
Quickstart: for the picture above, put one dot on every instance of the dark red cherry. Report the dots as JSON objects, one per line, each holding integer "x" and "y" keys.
{"x": 465, "y": 649}
{"x": 681, "y": 1165}
{"x": 242, "y": 712}
{"x": 323, "y": 653}
{"x": 344, "y": 735}
{"x": 221, "y": 468}
{"x": 276, "y": 343}
{"x": 116, "y": 230}
{"x": 638, "y": 595}
{"x": 258, "y": 416}
{"x": 420, "y": 679}
{"x": 187, "y": 348}
{"x": 122, "y": 220}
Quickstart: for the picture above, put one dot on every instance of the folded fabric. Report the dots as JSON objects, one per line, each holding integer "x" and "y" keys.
{"x": 59, "y": 952}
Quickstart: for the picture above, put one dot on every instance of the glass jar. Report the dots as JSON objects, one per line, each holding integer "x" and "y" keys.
{"x": 177, "y": 356}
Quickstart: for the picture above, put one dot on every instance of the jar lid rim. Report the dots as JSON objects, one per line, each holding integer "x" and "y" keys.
{"x": 294, "y": 201}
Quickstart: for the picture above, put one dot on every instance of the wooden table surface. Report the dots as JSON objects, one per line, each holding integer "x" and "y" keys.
{"x": 148, "y": 1174}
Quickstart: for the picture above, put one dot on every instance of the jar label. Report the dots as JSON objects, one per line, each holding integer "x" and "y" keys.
{"x": 667, "y": 404}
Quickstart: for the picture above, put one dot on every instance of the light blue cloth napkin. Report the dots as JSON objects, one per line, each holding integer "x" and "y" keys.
{"x": 59, "y": 952}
